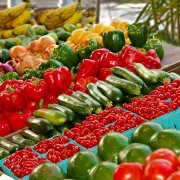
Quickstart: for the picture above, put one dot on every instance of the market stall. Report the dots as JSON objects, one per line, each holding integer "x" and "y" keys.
{"x": 86, "y": 101}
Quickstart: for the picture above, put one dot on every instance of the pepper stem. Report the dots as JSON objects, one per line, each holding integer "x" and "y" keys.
{"x": 35, "y": 81}
{"x": 10, "y": 90}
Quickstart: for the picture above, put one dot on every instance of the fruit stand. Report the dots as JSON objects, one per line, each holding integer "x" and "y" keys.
{"x": 86, "y": 101}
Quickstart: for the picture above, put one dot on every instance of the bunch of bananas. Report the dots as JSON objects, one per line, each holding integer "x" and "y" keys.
{"x": 13, "y": 20}
{"x": 54, "y": 18}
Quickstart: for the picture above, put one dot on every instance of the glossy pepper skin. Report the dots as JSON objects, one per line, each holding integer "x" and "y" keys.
{"x": 88, "y": 47}
{"x": 52, "y": 63}
{"x": 138, "y": 34}
{"x": 104, "y": 72}
{"x": 96, "y": 54}
{"x": 9, "y": 76}
{"x": 4, "y": 128}
{"x": 154, "y": 43}
{"x": 65, "y": 55}
{"x": 114, "y": 40}
{"x": 35, "y": 89}
{"x": 87, "y": 68}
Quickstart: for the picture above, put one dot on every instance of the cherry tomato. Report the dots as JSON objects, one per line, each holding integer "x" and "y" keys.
{"x": 174, "y": 176}
{"x": 129, "y": 171}
{"x": 18, "y": 172}
{"x": 159, "y": 169}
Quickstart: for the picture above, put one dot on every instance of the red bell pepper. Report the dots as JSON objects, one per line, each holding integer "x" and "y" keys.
{"x": 96, "y": 54}
{"x": 104, "y": 72}
{"x": 87, "y": 68}
{"x": 62, "y": 77}
{"x": 81, "y": 83}
{"x": 13, "y": 99}
{"x": 109, "y": 60}
{"x": 4, "y": 128}
{"x": 18, "y": 120}
{"x": 32, "y": 106}
{"x": 35, "y": 89}
{"x": 10, "y": 83}
{"x": 2, "y": 117}
{"x": 51, "y": 98}
{"x": 68, "y": 92}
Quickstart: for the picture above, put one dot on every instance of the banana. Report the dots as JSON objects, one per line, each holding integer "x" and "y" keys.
{"x": 42, "y": 15}
{"x": 75, "y": 18}
{"x": 22, "y": 19}
{"x": 6, "y": 34}
{"x": 21, "y": 30}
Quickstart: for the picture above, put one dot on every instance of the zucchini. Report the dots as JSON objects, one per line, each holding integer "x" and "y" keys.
{"x": 110, "y": 91}
{"x": 3, "y": 153}
{"x": 98, "y": 96}
{"x": 8, "y": 145}
{"x": 126, "y": 86}
{"x": 55, "y": 117}
{"x": 39, "y": 125}
{"x": 27, "y": 133}
{"x": 96, "y": 106}
{"x": 145, "y": 90}
{"x": 66, "y": 126}
{"x": 145, "y": 73}
{"x": 162, "y": 75}
{"x": 22, "y": 142}
{"x": 74, "y": 104}
{"x": 69, "y": 113}
{"x": 128, "y": 75}
{"x": 174, "y": 75}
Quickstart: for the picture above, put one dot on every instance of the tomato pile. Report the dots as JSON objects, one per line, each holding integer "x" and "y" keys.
{"x": 160, "y": 164}
{"x": 23, "y": 162}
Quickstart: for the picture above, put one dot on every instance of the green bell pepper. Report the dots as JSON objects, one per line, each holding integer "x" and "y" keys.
{"x": 64, "y": 54}
{"x": 154, "y": 43}
{"x": 50, "y": 64}
{"x": 114, "y": 40}
{"x": 138, "y": 34}
{"x": 10, "y": 76}
{"x": 90, "y": 45}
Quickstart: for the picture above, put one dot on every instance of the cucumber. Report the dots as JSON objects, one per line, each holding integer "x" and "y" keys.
{"x": 162, "y": 75}
{"x": 146, "y": 74}
{"x": 55, "y": 117}
{"x": 96, "y": 106}
{"x": 110, "y": 91}
{"x": 126, "y": 86}
{"x": 39, "y": 125}
{"x": 32, "y": 135}
{"x": 128, "y": 75}
{"x": 3, "y": 153}
{"x": 69, "y": 113}
{"x": 22, "y": 142}
{"x": 98, "y": 96}
{"x": 174, "y": 75}
{"x": 8, "y": 145}
{"x": 74, "y": 104}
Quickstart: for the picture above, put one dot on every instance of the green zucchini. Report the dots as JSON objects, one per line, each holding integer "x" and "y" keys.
{"x": 110, "y": 91}
{"x": 126, "y": 86}
{"x": 55, "y": 117}
{"x": 162, "y": 75}
{"x": 27, "y": 133}
{"x": 128, "y": 75}
{"x": 39, "y": 125}
{"x": 145, "y": 90}
{"x": 74, "y": 104}
{"x": 22, "y": 142}
{"x": 146, "y": 74}
{"x": 66, "y": 126}
{"x": 174, "y": 75}
{"x": 96, "y": 106}
{"x": 8, "y": 145}
{"x": 3, "y": 153}
{"x": 98, "y": 96}
{"x": 69, "y": 113}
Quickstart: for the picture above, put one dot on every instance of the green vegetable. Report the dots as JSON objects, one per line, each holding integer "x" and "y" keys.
{"x": 66, "y": 126}
{"x": 3, "y": 153}
{"x": 4, "y": 55}
{"x": 22, "y": 142}
{"x": 50, "y": 64}
{"x": 95, "y": 105}
{"x": 63, "y": 35}
{"x": 97, "y": 95}
{"x": 85, "y": 51}
{"x": 8, "y": 44}
{"x": 54, "y": 36}
{"x": 162, "y": 76}
{"x": 26, "y": 41}
{"x": 110, "y": 91}
{"x": 137, "y": 34}
{"x": 126, "y": 86}
{"x": 39, "y": 125}
{"x": 41, "y": 30}
{"x": 69, "y": 27}
{"x": 31, "y": 33}
{"x": 69, "y": 113}
{"x": 32, "y": 135}
{"x": 55, "y": 117}
{"x": 64, "y": 54}
{"x": 74, "y": 104}
{"x": 10, "y": 76}
{"x": 174, "y": 75}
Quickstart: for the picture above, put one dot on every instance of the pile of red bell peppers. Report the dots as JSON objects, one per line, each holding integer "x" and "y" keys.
{"x": 19, "y": 99}
{"x": 101, "y": 60}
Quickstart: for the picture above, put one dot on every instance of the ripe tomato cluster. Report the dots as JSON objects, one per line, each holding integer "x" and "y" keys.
{"x": 161, "y": 164}
{"x": 23, "y": 162}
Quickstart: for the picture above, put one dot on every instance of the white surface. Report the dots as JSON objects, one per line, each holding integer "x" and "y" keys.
{"x": 5, "y": 177}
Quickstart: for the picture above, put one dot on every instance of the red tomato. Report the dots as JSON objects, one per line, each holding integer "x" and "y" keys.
{"x": 162, "y": 154}
{"x": 129, "y": 171}
{"x": 174, "y": 176}
{"x": 159, "y": 169}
